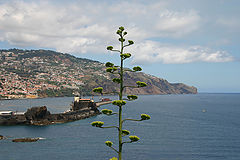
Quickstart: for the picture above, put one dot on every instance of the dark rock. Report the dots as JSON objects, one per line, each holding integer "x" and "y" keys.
{"x": 25, "y": 140}
{"x": 37, "y": 113}
{"x": 2, "y": 137}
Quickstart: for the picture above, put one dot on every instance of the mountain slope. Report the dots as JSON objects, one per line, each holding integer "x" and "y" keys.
{"x": 48, "y": 73}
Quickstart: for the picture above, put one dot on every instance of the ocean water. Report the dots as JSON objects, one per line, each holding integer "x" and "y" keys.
{"x": 182, "y": 127}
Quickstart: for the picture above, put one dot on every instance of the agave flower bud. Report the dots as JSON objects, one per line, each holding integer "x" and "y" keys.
{"x": 114, "y": 68}
{"x": 98, "y": 90}
{"x": 132, "y": 97}
{"x": 109, "y": 64}
{"x": 119, "y": 32}
{"x": 125, "y": 132}
{"x": 141, "y": 84}
{"x": 137, "y": 68}
{"x": 109, "y": 143}
{"x": 119, "y": 102}
{"x": 145, "y": 117}
{"x": 126, "y": 55}
{"x": 113, "y": 158}
{"x": 121, "y": 28}
{"x": 97, "y": 124}
{"x": 134, "y": 138}
{"x": 106, "y": 111}
{"x": 111, "y": 69}
{"x": 110, "y": 48}
{"x": 124, "y": 33}
{"x": 130, "y": 42}
{"x": 116, "y": 80}
{"x": 121, "y": 39}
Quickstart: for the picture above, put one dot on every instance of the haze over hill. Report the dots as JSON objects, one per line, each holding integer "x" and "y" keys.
{"x": 43, "y": 73}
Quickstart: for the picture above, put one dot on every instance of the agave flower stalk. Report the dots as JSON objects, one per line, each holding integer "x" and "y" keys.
{"x": 119, "y": 70}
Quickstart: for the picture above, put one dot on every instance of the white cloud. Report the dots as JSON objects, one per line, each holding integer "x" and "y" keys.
{"x": 177, "y": 23}
{"x": 232, "y": 24}
{"x": 152, "y": 52}
{"x": 87, "y": 27}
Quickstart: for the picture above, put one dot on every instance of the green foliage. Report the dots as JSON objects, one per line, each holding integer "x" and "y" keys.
{"x": 134, "y": 138}
{"x": 141, "y": 84}
{"x": 145, "y": 117}
{"x": 132, "y": 97}
{"x": 111, "y": 69}
{"x": 121, "y": 28}
{"x": 119, "y": 32}
{"x": 109, "y": 143}
{"x": 121, "y": 39}
{"x": 130, "y": 42}
{"x": 137, "y": 68}
{"x": 125, "y": 55}
{"x": 97, "y": 123}
{"x": 125, "y": 132}
{"x": 116, "y": 80}
{"x": 109, "y": 64}
{"x": 110, "y": 48}
{"x": 98, "y": 90}
{"x": 119, "y": 102}
{"x": 106, "y": 111}
{"x": 114, "y": 158}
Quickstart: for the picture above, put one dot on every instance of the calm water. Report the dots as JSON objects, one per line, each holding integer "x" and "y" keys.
{"x": 179, "y": 130}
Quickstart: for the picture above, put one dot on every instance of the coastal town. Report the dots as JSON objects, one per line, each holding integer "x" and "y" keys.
{"x": 46, "y": 73}
{"x": 25, "y": 74}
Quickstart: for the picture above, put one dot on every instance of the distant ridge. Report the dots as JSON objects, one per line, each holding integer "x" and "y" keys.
{"x": 43, "y": 73}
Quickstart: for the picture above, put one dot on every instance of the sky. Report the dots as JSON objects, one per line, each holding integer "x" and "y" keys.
{"x": 194, "y": 42}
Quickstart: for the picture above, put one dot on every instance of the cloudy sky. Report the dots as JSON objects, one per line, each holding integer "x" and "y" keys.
{"x": 196, "y": 42}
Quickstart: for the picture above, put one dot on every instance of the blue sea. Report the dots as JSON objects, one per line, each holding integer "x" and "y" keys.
{"x": 182, "y": 127}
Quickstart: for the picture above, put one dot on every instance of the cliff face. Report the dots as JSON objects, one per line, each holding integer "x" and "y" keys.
{"x": 155, "y": 85}
{"x": 47, "y": 73}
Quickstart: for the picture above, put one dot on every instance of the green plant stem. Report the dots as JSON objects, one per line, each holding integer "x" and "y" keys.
{"x": 120, "y": 107}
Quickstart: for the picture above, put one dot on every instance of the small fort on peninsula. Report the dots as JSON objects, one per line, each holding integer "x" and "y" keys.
{"x": 80, "y": 109}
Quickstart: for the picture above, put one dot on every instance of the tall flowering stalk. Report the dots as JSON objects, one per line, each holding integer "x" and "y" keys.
{"x": 119, "y": 70}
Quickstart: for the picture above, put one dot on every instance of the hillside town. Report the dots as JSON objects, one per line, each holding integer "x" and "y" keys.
{"x": 23, "y": 75}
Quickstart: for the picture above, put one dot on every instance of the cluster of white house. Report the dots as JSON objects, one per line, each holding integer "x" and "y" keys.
{"x": 10, "y": 113}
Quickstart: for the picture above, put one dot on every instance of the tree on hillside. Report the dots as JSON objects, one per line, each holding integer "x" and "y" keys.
{"x": 119, "y": 72}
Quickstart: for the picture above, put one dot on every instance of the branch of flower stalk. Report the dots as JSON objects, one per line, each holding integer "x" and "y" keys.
{"x": 110, "y": 127}
{"x": 126, "y": 45}
{"x": 132, "y": 120}
{"x": 114, "y": 149}
{"x": 127, "y": 142}
{"x": 131, "y": 86}
{"x": 115, "y": 50}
